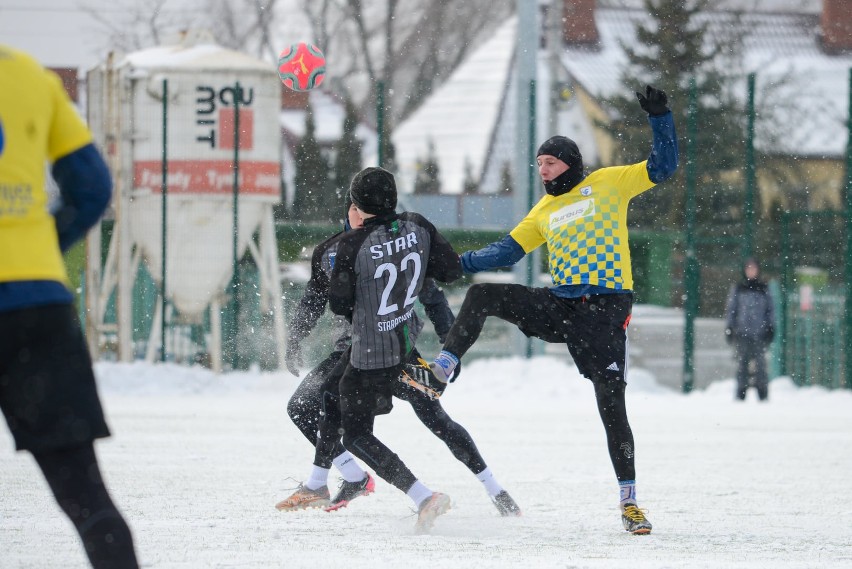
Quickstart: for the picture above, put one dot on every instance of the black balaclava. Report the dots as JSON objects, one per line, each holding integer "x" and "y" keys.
{"x": 564, "y": 149}
{"x": 373, "y": 190}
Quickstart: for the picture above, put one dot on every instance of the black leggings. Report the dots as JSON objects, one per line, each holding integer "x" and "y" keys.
{"x": 619, "y": 435}
{"x": 314, "y": 399}
{"x": 75, "y": 479}
{"x": 317, "y": 398}
{"x": 594, "y": 329}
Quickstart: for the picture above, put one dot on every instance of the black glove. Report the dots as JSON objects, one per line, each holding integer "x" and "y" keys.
{"x": 769, "y": 335}
{"x": 293, "y": 357}
{"x": 729, "y": 335}
{"x": 654, "y": 102}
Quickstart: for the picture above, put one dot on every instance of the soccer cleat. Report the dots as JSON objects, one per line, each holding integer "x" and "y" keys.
{"x": 430, "y": 509}
{"x": 419, "y": 377}
{"x": 304, "y": 498}
{"x": 506, "y": 505}
{"x": 634, "y": 520}
{"x": 351, "y": 490}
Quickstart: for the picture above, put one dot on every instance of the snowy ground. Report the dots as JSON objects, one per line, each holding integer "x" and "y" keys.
{"x": 197, "y": 463}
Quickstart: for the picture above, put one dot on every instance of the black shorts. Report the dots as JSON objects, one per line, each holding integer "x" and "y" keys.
{"x": 399, "y": 389}
{"x": 370, "y": 392}
{"x": 593, "y": 327}
{"x": 47, "y": 387}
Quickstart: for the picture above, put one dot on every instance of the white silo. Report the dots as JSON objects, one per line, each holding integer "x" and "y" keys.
{"x": 205, "y": 83}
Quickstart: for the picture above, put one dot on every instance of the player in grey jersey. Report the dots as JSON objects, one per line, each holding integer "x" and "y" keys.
{"x": 314, "y": 404}
{"x": 378, "y": 274}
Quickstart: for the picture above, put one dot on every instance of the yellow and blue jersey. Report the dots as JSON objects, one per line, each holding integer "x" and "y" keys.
{"x": 40, "y": 126}
{"x": 586, "y": 228}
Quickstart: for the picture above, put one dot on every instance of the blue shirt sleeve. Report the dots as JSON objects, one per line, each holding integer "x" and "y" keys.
{"x": 503, "y": 253}
{"x": 662, "y": 162}
{"x": 85, "y": 188}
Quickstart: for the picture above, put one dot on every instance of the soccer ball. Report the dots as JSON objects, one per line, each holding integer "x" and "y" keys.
{"x": 301, "y": 66}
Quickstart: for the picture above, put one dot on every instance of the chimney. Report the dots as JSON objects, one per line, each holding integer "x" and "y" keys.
{"x": 293, "y": 100}
{"x": 578, "y": 22}
{"x": 69, "y": 80}
{"x": 836, "y": 24}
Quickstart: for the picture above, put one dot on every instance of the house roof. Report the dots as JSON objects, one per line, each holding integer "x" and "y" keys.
{"x": 798, "y": 84}
{"x": 460, "y": 117}
{"x": 803, "y": 90}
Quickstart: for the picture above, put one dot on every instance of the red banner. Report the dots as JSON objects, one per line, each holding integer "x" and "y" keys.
{"x": 210, "y": 177}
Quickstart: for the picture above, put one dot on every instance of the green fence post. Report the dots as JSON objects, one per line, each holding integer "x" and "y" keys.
{"x": 748, "y": 243}
{"x": 531, "y": 159}
{"x": 847, "y": 328}
{"x": 380, "y": 121}
{"x": 235, "y": 362}
{"x": 164, "y": 190}
{"x": 691, "y": 270}
{"x": 785, "y": 288}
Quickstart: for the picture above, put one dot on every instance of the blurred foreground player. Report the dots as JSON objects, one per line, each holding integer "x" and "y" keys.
{"x": 47, "y": 386}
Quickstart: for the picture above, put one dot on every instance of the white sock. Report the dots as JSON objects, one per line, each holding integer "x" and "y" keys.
{"x": 418, "y": 493}
{"x": 318, "y": 478}
{"x": 444, "y": 365}
{"x": 490, "y": 482}
{"x": 349, "y": 467}
{"x": 628, "y": 492}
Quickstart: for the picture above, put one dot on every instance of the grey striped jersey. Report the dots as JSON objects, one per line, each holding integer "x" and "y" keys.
{"x": 378, "y": 274}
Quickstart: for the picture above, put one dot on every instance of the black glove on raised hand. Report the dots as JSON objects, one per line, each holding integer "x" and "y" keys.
{"x": 654, "y": 102}
{"x": 769, "y": 335}
{"x": 293, "y": 358}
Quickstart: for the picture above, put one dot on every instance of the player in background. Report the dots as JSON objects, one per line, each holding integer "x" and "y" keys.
{"x": 317, "y": 397}
{"x": 47, "y": 387}
{"x": 583, "y": 221}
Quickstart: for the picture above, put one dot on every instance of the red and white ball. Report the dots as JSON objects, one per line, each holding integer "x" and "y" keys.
{"x": 301, "y": 66}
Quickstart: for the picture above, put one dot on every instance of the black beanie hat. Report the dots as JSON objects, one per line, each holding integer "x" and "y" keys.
{"x": 564, "y": 149}
{"x": 373, "y": 190}
{"x": 561, "y": 147}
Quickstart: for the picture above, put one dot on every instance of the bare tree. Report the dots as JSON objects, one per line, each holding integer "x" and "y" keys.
{"x": 134, "y": 24}
{"x": 237, "y": 24}
{"x": 243, "y": 25}
{"x": 408, "y": 45}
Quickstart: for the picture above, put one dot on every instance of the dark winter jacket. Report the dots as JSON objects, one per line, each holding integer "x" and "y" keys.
{"x": 750, "y": 312}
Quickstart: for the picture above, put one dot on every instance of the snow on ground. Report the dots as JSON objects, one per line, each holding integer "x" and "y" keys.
{"x": 197, "y": 462}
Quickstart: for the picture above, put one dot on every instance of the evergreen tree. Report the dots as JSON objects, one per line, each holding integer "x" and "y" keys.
{"x": 671, "y": 51}
{"x": 348, "y": 160}
{"x": 428, "y": 179}
{"x": 313, "y": 189}
{"x": 470, "y": 184}
{"x": 506, "y": 182}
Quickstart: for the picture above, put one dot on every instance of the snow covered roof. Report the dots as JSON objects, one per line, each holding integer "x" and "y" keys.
{"x": 783, "y": 49}
{"x": 460, "y": 117}
{"x": 198, "y": 51}
{"x": 470, "y": 117}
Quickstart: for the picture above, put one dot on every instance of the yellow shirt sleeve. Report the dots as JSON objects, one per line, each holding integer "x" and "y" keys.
{"x": 67, "y": 131}
{"x": 528, "y": 232}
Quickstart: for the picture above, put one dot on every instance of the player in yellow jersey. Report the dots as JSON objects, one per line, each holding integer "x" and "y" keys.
{"x": 47, "y": 386}
{"x": 583, "y": 222}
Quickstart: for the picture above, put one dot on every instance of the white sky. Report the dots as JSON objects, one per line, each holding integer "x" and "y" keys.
{"x": 197, "y": 462}
{"x": 56, "y": 32}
